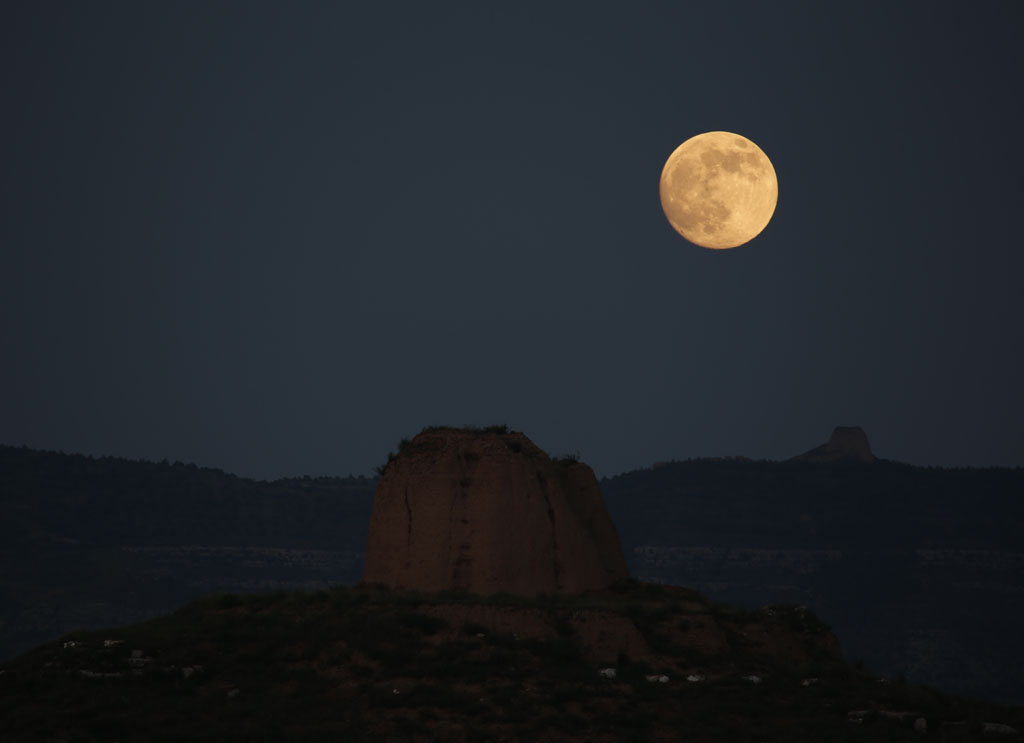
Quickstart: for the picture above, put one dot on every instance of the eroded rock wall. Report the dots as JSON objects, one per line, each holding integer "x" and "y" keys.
{"x": 486, "y": 513}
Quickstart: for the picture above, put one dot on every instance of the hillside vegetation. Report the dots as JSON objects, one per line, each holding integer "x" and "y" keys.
{"x": 367, "y": 664}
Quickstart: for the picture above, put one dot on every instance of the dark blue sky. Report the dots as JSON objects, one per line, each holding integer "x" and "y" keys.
{"x": 276, "y": 237}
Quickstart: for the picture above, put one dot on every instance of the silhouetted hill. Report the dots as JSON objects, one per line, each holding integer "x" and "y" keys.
{"x": 112, "y": 501}
{"x": 88, "y": 542}
{"x": 370, "y": 665}
{"x": 920, "y": 570}
{"x": 828, "y": 505}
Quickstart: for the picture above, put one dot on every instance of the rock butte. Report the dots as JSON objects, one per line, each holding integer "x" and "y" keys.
{"x": 489, "y": 512}
{"x": 846, "y": 443}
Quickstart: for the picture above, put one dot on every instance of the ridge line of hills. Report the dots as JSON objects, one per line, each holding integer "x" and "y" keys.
{"x": 920, "y": 570}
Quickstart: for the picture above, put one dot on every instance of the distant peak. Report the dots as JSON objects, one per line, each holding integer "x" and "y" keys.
{"x": 847, "y": 443}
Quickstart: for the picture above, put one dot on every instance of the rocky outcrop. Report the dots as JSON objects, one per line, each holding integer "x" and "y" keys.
{"x": 489, "y": 512}
{"x": 848, "y": 443}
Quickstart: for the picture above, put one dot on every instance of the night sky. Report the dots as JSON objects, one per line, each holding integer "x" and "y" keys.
{"x": 275, "y": 238}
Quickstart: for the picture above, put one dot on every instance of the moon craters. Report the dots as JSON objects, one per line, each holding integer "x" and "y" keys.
{"x": 718, "y": 190}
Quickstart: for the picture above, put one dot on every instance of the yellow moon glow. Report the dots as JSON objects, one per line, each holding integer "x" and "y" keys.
{"x": 719, "y": 190}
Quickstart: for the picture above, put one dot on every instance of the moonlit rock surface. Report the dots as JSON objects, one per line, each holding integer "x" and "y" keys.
{"x": 487, "y": 513}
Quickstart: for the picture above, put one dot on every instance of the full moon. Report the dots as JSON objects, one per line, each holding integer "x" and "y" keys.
{"x": 718, "y": 190}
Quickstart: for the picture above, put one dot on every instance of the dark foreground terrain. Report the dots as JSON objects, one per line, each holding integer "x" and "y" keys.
{"x": 369, "y": 664}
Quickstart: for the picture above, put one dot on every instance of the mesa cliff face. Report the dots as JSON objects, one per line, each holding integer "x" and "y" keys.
{"x": 489, "y": 512}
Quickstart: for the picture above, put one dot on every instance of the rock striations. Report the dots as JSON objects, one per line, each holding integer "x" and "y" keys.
{"x": 847, "y": 443}
{"x": 487, "y": 511}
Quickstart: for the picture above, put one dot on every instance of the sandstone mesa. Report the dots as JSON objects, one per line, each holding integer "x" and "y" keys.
{"x": 488, "y": 512}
